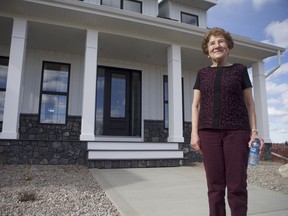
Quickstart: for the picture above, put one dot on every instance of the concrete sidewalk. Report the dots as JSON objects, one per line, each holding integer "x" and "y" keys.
{"x": 177, "y": 191}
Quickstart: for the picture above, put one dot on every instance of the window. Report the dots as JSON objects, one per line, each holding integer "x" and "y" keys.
{"x": 112, "y": 3}
{"x": 189, "y": 19}
{"x": 3, "y": 81}
{"x": 165, "y": 97}
{"x": 54, "y": 93}
{"x": 131, "y": 5}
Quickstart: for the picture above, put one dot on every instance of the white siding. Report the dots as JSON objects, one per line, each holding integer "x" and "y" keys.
{"x": 176, "y": 10}
{"x": 150, "y": 7}
{"x": 152, "y": 83}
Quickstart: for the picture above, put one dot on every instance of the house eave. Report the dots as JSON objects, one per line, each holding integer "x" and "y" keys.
{"x": 83, "y": 15}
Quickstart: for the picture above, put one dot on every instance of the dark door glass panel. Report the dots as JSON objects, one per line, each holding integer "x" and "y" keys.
{"x": 100, "y": 101}
{"x": 118, "y": 96}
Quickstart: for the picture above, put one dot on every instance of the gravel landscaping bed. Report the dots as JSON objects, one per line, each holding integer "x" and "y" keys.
{"x": 51, "y": 190}
{"x": 266, "y": 175}
{"x": 71, "y": 189}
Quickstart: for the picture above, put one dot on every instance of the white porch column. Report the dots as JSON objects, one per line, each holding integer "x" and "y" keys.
{"x": 15, "y": 69}
{"x": 260, "y": 97}
{"x": 175, "y": 94}
{"x": 89, "y": 86}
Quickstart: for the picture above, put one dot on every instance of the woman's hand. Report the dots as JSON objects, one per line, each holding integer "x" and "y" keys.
{"x": 253, "y": 137}
{"x": 195, "y": 143}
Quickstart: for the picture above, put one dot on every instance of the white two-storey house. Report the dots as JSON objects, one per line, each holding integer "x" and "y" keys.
{"x": 107, "y": 83}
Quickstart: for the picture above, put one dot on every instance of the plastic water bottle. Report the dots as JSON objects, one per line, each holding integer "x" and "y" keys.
{"x": 254, "y": 156}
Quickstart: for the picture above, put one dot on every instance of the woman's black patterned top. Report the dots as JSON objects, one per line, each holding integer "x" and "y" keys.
{"x": 222, "y": 104}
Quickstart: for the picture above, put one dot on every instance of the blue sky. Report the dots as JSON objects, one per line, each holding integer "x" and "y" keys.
{"x": 265, "y": 21}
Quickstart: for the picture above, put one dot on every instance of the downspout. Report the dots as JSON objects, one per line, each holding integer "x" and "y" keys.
{"x": 278, "y": 66}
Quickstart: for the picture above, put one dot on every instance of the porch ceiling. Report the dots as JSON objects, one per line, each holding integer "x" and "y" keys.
{"x": 70, "y": 40}
{"x": 143, "y": 39}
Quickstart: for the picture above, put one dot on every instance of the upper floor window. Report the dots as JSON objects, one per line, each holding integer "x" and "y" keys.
{"x": 131, "y": 5}
{"x": 3, "y": 82}
{"x": 54, "y": 93}
{"x": 189, "y": 19}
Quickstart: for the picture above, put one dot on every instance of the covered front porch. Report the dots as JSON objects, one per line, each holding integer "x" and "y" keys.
{"x": 152, "y": 46}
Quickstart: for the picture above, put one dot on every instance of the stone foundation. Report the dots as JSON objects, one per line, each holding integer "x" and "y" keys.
{"x": 60, "y": 144}
{"x": 105, "y": 164}
{"x": 43, "y": 152}
{"x": 154, "y": 131}
{"x": 31, "y": 129}
{"x": 45, "y": 143}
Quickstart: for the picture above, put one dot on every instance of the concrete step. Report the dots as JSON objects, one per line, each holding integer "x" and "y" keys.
{"x": 133, "y": 151}
{"x": 131, "y": 146}
{"x": 134, "y": 155}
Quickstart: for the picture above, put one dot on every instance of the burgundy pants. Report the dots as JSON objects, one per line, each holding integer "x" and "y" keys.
{"x": 225, "y": 154}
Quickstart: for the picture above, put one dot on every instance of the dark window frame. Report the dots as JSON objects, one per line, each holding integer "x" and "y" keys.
{"x": 54, "y": 93}
{"x": 165, "y": 79}
{"x": 165, "y": 102}
{"x": 5, "y": 61}
{"x": 192, "y": 15}
{"x": 122, "y": 5}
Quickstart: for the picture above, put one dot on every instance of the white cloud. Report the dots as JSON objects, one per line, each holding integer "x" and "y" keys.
{"x": 280, "y": 73}
{"x": 273, "y": 101}
{"x": 279, "y": 135}
{"x": 272, "y": 111}
{"x": 278, "y": 31}
{"x": 283, "y": 69}
{"x": 274, "y": 88}
{"x": 258, "y": 4}
{"x": 278, "y": 110}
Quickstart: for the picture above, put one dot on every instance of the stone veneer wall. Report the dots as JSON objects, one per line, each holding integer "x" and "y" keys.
{"x": 154, "y": 131}
{"x": 31, "y": 129}
{"x": 45, "y": 143}
{"x": 60, "y": 144}
{"x": 43, "y": 152}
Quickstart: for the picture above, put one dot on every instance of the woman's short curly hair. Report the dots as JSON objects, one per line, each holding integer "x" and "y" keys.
{"x": 216, "y": 31}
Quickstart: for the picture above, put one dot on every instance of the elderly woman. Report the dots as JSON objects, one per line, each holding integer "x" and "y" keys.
{"x": 223, "y": 124}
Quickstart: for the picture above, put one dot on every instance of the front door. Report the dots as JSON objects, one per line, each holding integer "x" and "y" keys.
{"x": 115, "y": 102}
{"x": 116, "y": 106}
